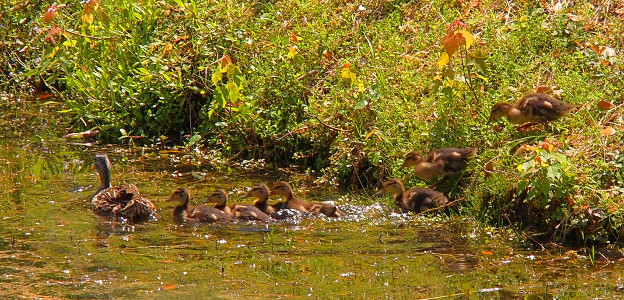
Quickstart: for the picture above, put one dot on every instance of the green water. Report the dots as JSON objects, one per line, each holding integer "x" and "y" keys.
{"x": 53, "y": 246}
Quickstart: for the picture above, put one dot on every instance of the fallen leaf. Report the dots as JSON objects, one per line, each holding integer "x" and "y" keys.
{"x": 226, "y": 61}
{"x": 370, "y": 133}
{"x": 50, "y": 14}
{"x": 604, "y": 105}
{"x": 607, "y": 131}
{"x": 489, "y": 169}
{"x": 485, "y": 252}
{"x": 543, "y": 89}
{"x": 294, "y": 38}
{"x": 573, "y": 17}
{"x": 168, "y": 287}
{"x": 292, "y": 52}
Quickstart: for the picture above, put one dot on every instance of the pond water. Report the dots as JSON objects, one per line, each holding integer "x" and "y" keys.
{"x": 53, "y": 246}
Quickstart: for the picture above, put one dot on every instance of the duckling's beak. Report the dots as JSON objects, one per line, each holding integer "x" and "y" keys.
{"x": 247, "y": 195}
{"x": 380, "y": 192}
{"x": 404, "y": 165}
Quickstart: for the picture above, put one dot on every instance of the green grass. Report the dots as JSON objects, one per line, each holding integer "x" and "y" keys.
{"x": 287, "y": 96}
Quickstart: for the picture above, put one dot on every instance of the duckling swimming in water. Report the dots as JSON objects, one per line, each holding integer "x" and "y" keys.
{"x": 415, "y": 199}
{"x": 195, "y": 214}
{"x": 283, "y": 188}
{"x": 238, "y": 211}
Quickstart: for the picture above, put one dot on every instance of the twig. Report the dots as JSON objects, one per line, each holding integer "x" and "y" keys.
{"x": 327, "y": 125}
{"x": 89, "y": 36}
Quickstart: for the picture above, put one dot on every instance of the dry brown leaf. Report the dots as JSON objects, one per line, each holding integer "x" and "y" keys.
{"x": 604, "y": 105}
{"x": 607, "y": 131}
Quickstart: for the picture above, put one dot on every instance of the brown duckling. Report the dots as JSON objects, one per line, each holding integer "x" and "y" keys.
{"x": 283, "y": 188}
{"x": 446, "y": 161}
{"x": 238, "y": 211}
{"x": 533, "y": 108}
{"x": 195, "y": 214}
{"x": 120, "y": 201}
{"x": 261, "y": 192}
{"x": 415, "y": 199}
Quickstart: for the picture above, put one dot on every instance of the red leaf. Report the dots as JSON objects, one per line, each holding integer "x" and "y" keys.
{"x": 452, "y": 41}
{"x": 455, "y": 25}
{"x": 604, "y": 105}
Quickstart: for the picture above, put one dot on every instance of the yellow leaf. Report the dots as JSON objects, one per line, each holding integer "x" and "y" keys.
{"x": 444, "y": 59}
{"x": 371, "y": 133}
{"x": 470, "y": 39}
{"x": 292, "y": 52}
{"x": 347, "y": 74}
{"x": 87, "y": 18}
{"x": 520, "y": 168}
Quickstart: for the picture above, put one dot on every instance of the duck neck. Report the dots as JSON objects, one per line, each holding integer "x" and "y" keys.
{"x": 398, "y": 197}
{"x": 180, "y": 211}
{"x": 105, "y": 181}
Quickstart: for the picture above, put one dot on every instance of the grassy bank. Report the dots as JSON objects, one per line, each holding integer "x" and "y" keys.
{"x": 348, "y": 89}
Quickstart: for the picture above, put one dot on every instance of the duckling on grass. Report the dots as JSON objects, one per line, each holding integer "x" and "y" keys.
{"x": 533, "y": 108}
{"x": 446, "y": 161}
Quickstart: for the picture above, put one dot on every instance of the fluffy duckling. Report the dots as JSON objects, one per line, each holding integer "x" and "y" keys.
{"x": 261, "y": 192}
{"x": 415, "y": 199}
{"x": 446, "y": 161}
{"x": 120, "y": 201}
{"x": 195, "y": 214}
{"x": 283, "y": 188}
{"x": 536, "y": 108}
{"x": 238, "y": 211}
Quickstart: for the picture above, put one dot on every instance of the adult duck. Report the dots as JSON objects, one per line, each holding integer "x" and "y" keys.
{"x": 122, "y": 201}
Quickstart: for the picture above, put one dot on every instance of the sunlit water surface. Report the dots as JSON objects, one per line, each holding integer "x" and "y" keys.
{"x": 52, "y": 245}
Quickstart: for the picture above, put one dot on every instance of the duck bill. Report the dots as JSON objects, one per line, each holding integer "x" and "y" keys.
{"x": 246, "y": 195}
{"x": 380, "y": 192}
{"x": 404, "y": 165}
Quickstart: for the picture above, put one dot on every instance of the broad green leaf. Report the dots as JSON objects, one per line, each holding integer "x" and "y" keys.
{"x": 361, "y": 104}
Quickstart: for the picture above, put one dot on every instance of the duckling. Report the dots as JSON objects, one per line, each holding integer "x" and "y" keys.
{"x": 238, "y": 211}
{"x": 533, "y": 108}
{"x": 415, "y": 199}
{"x": 283, "y": 188}
{"x": 195, "y": 214}
{"x": 446, "y": 161}
{"x": 261, "y": 192}
{"x": 123, "y": 201}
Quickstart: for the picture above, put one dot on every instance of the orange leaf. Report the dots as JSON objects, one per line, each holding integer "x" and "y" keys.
{"x": 168, "y": 287}
{"x": 456, "y": 24}
{"x": 485, "y": 252}
{"x": 598, "y": 49}
{"x": 226, "y": 61}
{"x": 604, "y": 105}
{"x": 452, "y": 41}
{"x": 90, "y": 6}
{"x": 49, "y": 15}
{"x": 327, "y": 54}
{"x": 294, "y": 38}
{"x": 542, "y": 89}
{"x": 607, "y": 131}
